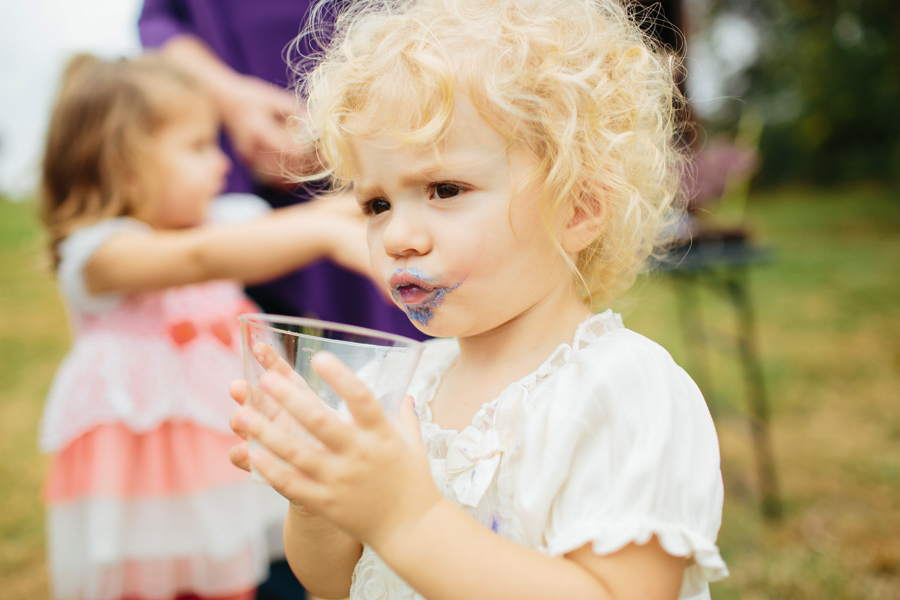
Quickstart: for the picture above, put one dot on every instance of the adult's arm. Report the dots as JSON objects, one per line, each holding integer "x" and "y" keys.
{"x": 255, "y": 113}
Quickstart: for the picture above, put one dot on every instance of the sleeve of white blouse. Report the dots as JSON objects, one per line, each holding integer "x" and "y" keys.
{"x": 236, "y": 208}
{"x": 76, "y": 250}
{"x": 630, "y": 452}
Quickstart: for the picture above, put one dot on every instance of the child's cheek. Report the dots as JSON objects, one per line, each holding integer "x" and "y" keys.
{"x": 466, "y": 258}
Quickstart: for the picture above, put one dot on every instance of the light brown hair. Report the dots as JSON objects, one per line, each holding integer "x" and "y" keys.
{"x": 98, "y": 160}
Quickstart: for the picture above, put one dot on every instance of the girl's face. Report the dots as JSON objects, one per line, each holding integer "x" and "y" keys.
{"x": 191, "y": 168}
{"x": 447, "y": 238}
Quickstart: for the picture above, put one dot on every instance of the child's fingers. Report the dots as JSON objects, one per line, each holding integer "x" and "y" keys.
{"x": 279, "y": 419}
{"x": 309, "y": 410}
{"x": 366, "y": 410}
{"x": 296, "y": 449}
{"x": 238, "y": 390}
{"x": 247, "y": 395}
{"x": 237, "y": 424}
{"x": 293, "y": 484}
{"x": 407, "y": 422}
{"x": 260, "y": 401}
{"x": 239, "y": 456}
{"x": 271, "y": 361}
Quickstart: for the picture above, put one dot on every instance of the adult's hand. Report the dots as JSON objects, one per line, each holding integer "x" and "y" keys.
{"x": 256, "y": 115}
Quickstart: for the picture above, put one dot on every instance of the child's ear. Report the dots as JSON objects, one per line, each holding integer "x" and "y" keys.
{"x": 584, "y": 225}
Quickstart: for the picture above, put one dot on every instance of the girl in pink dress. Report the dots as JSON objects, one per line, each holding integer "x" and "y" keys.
{"x": 142, "y": 502}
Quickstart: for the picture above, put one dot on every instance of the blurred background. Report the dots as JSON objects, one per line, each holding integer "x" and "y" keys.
{"x": 782, "y": 302}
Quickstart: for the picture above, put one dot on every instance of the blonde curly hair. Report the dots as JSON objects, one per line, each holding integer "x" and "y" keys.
{"x": 576, "y": 82}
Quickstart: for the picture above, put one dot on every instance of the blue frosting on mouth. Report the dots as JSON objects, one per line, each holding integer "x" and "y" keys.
{"x": 423, "y": 312}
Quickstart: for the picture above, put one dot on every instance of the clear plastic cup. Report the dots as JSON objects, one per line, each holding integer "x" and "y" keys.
{"x": 384, "y": 362}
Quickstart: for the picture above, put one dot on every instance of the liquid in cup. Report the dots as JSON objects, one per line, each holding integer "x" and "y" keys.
{"x": 384, "y": 362}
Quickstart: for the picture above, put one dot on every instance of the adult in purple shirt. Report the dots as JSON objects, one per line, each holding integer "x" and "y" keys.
{"x": 237, "y": 49}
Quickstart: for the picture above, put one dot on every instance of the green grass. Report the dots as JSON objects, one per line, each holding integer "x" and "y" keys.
{"x": 33, "y": 338}
{"x": 828, "y": 322}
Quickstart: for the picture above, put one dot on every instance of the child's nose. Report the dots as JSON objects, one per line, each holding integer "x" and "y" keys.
{"x": 406, "y": 233}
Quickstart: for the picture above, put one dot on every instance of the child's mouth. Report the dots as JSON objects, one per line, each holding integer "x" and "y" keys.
{"x": 416, "y": 294}
{"x": 411, "y": 286}
{"x": 411, "y": 293}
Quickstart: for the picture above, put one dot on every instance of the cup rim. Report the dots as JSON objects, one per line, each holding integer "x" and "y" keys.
{"x": 270, "y": 322}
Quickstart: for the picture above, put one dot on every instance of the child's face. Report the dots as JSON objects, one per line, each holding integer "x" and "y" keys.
{"x": 447, "y": 239}
{"x": 191, "y": 167}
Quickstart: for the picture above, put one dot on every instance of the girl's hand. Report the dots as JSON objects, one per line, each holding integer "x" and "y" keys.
{"x": 368, "y": 476}
{"x": 320, "y": 553}
{"x": 241, "y": 390}
{"x": 239, "y": 452}
{"x": 347, "y": 245}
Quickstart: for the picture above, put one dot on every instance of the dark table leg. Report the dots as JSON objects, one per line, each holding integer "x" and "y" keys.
{"x": 694, "y": 332}
{"x": 731, "y": 279}
{"x": 736, "y": 283}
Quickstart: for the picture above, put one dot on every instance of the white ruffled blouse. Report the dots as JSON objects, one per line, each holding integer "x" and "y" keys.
{"x": 608, "y": 442}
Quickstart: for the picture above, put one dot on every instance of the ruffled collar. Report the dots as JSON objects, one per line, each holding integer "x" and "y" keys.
{"x": 473, "y": 454}
{"x": 587, "y": 332}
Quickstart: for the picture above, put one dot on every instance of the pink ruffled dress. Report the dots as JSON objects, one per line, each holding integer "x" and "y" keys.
{"x": 142, "y": 500}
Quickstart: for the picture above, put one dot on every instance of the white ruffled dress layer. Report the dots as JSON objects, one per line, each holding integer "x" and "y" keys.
{"x": 142, "y": 500}
{"x": 607, "y": 443}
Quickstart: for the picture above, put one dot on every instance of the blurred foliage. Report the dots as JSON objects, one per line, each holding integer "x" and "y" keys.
{"x": 827, "y": 78}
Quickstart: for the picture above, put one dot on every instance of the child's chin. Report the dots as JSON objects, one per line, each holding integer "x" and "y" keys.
{"x": 440, "y": 327}
{"x": 425, "y": 320}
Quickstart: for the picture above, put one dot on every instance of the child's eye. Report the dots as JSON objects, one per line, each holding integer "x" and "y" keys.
{"x": 376, "y": 206}
{"x": 445, "y": 190}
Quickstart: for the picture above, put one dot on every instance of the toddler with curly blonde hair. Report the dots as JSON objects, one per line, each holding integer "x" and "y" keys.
{"x": 517, "y": 164}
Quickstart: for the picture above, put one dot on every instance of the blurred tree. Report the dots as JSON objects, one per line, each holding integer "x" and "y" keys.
{"x": 664, "y": 20}
{"x": 827, "y": 79}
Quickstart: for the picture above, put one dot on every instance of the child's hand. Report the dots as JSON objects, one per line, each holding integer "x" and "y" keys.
{"x": 337, "y": 228}
{"x": 241, "y": 390}
{"x": 348, "y": 246}
{"x": 368, "y": 476}
{"x": 239, "y": 452}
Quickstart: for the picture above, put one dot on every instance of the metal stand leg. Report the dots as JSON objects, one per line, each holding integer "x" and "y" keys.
{"x": 733, "y": 279}
{"x": 695, "y": 334}
{"x": 753, "y": 376}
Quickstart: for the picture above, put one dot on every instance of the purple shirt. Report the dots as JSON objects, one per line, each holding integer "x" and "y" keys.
{"x": 251, "y": 37}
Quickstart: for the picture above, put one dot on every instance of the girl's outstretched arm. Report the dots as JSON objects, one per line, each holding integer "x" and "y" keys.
{"x": 252, "y": 252}
{"x": 372, "y": 480}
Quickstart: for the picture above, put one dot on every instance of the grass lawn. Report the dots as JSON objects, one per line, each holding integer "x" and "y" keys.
{"x": 828, "y": 321}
